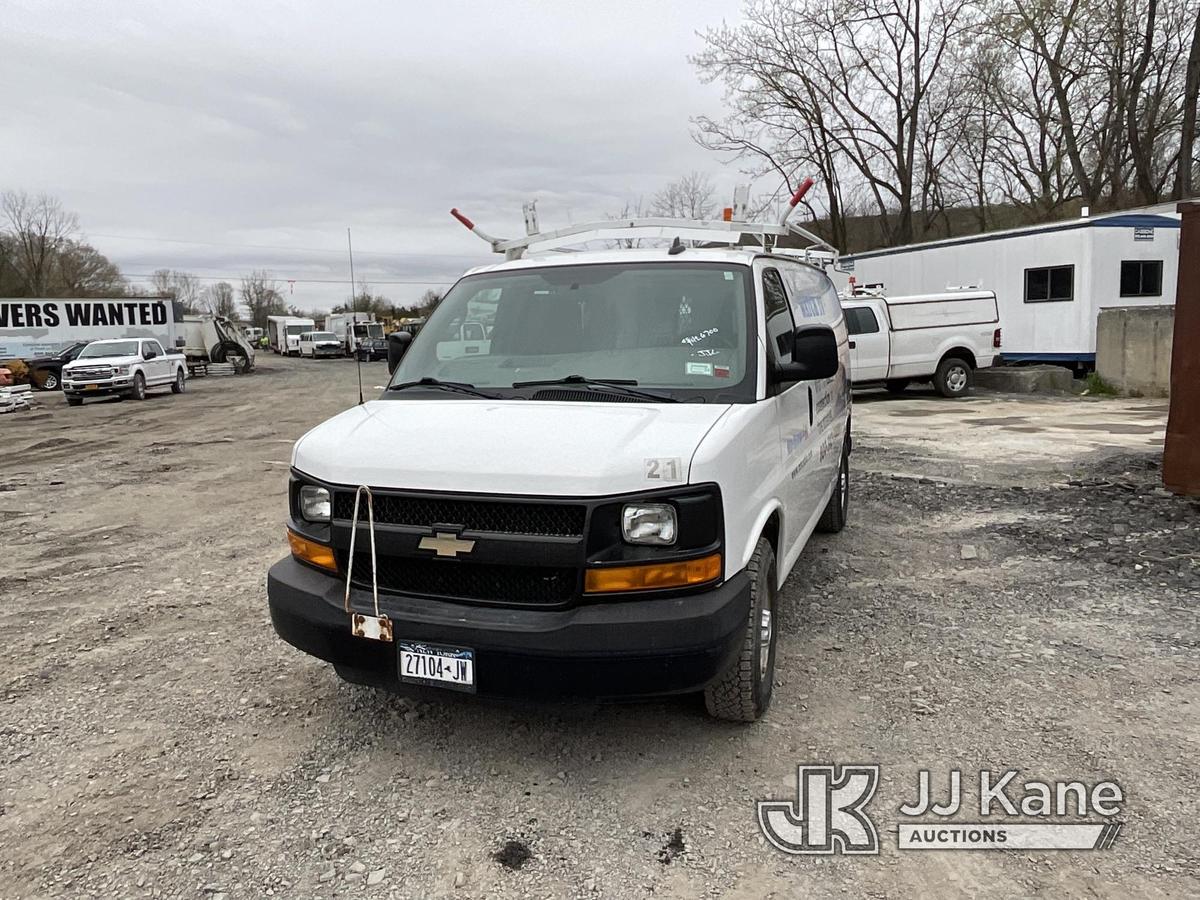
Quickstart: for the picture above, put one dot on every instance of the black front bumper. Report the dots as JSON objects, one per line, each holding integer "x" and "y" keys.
{"x": 619, "y": 648}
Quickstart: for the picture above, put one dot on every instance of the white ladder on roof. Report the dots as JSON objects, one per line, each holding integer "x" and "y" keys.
{"x": 722, "y": 231}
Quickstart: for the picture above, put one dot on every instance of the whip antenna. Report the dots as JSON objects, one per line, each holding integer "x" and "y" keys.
{"x": 354, "y": 315}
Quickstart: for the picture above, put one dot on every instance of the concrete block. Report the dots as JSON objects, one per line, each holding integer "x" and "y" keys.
{"x": 1133, "y": 349}
{"x": 1024, "y": 379}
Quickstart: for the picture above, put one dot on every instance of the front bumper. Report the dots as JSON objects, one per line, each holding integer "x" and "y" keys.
{"x": 618, "y": 648}
{"x": 119, "y": 385}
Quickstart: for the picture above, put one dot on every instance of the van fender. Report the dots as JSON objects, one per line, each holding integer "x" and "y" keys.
{"x": 735, "y": 565}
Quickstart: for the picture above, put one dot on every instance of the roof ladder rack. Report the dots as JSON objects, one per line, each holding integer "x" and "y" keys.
{"x": 722, "y": 231}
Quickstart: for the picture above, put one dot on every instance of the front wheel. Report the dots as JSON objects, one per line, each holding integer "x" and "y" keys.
{"x": 139, "y": 386}
{"x": 180, "y": 383}
{"x": 742, "y": 693}
{"x": 49, "y": 381}
{"x": 953, "y": 377}
{"x": 74, "y": 401}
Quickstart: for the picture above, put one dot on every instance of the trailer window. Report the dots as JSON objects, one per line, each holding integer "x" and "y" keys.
{"x": 861, "y": 321}
{"x": 1141, "y": 278}
{"x": 1050, "y": 284}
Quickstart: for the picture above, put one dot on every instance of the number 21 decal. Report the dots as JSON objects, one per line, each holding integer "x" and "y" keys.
{"x": 664, "y": 468}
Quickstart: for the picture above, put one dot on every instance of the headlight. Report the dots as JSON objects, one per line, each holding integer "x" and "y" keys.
{"x": 648, "y": 523}
{"x": 120, "y": 370}
{"x": 314, "y": 503}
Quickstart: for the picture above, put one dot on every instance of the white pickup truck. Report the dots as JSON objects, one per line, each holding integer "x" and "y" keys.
{"x": 126, "y": 368}
{"x": 941, "y": 338}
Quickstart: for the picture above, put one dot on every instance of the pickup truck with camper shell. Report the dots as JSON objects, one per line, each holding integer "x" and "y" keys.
{"x": 603, "y": 500}
{"x": 128, "y": 367}
{"x": 943, "y": 338}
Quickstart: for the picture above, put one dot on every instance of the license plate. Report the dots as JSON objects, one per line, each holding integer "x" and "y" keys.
{"x": 91, "y": 387}
{"x": 447, "y": 667}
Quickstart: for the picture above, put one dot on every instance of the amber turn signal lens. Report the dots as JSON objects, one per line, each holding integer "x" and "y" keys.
{"x": 653, "y": 576}
{"x": 311, "y": 552}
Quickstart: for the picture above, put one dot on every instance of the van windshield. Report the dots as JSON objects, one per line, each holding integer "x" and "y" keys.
{"x": 678, "y": 329}
{"x": 322, "y": 336}
{"x": 293, "y": 330}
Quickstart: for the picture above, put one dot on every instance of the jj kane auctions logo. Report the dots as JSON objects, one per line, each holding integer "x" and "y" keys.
{"x": 829, "y": 814}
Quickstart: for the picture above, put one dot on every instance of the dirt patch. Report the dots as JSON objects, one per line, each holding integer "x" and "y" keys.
{"x": 157, "y": 739}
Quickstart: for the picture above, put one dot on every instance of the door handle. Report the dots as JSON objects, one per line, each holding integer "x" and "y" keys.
{"x": 853, "y": 345}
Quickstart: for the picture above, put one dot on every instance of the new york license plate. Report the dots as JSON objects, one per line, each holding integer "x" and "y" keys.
{"x": 431, "y": 664}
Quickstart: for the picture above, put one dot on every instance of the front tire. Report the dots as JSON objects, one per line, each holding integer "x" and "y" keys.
{"x": 954, "y": 377}
{"x": 139, "y": 386}
{"x": 74, "y": 401}
{"x": 742, "y": 693}
{"x": 180, "y": 383}
{"x": 49, "y": 381}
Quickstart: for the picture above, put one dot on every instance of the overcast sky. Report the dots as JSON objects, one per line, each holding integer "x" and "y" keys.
{"x": 279, "y": 124}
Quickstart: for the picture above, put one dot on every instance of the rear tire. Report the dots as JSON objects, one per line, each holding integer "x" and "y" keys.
{"x": 742, "y": 693}
{"x": 139, "y": 386}
{"x": 954, "y": 377}
{"x": 837, "y": 510}
{"x": 897, "y": 385}
{"x": 180, "y": 383}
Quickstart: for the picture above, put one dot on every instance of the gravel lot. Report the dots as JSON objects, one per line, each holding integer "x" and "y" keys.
{"x": 1013, "y": 591}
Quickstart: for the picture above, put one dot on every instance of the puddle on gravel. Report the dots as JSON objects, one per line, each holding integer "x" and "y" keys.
{"x": 513, "y": 854}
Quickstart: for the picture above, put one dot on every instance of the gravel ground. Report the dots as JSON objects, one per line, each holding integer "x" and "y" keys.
{"x": 990, "y": 606}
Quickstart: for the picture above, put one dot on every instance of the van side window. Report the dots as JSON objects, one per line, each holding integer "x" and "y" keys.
{"x": 861, "y": 321}
{"x": 814, "y": 298}
{"x": 781, "y": 328}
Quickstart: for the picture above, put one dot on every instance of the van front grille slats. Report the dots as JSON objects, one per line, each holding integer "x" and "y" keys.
{"x": 496, "y": 516}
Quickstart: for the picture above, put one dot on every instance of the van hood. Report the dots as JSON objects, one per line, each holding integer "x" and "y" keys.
{"x": 508, "y": 446}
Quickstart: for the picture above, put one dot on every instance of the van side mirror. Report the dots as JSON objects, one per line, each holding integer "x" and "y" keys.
{"x": 398, "y": 342}
{"x": 814, "y": 356}
{"x": 147, "y": 353}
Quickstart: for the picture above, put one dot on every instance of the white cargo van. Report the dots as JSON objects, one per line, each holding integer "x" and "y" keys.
{"x": 941, "y": 338}
{"x": 604, "y": 500}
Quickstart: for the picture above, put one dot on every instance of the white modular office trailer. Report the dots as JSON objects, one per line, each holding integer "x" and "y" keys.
{"x": 1051, "y": 281}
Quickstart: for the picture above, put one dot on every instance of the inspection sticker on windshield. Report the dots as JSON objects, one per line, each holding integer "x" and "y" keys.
{"x": 664, "y": 468}
{"x": 695, "y": 368}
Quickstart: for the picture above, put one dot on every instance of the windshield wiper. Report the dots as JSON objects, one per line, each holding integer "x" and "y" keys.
{"x": 458, "y": 387}
{"x": 611, "y": 385}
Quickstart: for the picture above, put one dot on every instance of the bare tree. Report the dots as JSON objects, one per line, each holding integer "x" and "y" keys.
{"x": 1185, "y": 166}
{"x": 83, "y": 271}
{"x": 851, "y": 78}
{"x": 689, "y": 197}
{"x": 182, "y": 287}
{"x": 38, "y": 226}
{"x": 220, "y": 300}
{"x": 261, "y": 297}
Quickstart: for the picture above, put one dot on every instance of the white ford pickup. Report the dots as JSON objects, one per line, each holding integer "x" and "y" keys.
{"x": 603, "y": 499}
{"x": 127, "y": 367}
{"x": 941, "y": 338}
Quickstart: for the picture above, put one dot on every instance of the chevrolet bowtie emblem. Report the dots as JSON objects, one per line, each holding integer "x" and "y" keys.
{"x": 446, "y": 544}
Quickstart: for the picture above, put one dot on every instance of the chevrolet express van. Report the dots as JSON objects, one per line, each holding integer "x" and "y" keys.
{"x": 602, "y": 499}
